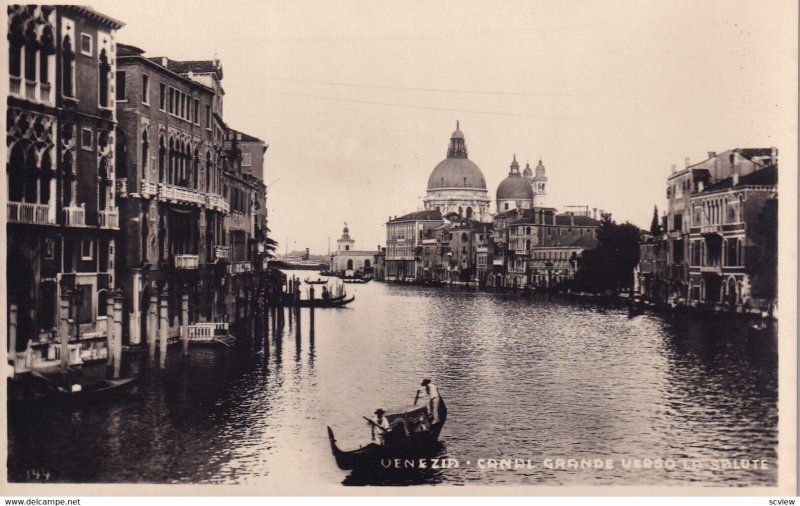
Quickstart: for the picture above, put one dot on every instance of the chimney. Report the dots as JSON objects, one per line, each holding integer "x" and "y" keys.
{"x": 687, "y": 161}
{"x": 700, "y": 186}
{"x": 595, "y": 209}
{"x": 773, "y": 155}
{"x": 735, "y": 178}
{"x": 572, "y": 219}
{"x": 164, "y": 61}
{"x": 712, "y": 154}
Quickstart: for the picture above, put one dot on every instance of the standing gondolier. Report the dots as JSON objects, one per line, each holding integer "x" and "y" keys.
{"x": 433, "y": 400}
{"x": 380, "y": 423}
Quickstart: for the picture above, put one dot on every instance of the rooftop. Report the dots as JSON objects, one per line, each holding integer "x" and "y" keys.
{"x": 419, "y": 216}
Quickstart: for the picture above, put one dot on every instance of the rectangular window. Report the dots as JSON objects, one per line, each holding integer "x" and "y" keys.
{"x": 171, "y": 100}
{"x": 208, "y": 117}
{"x": 145, "y": 89}
{"x": 121, "y": 86}
{"x": 87, "y": 246}
{"x": 247, "y": 159}
{"x": 162, "y": 98}
{"x": 85, "y": 309}
{"x": 86, "y": 44}
{"x": 196, "y": 112}
{"x": 86, "y": 138}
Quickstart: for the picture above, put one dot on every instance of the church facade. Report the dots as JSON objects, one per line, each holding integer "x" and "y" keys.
{"x": 346, "y": 259}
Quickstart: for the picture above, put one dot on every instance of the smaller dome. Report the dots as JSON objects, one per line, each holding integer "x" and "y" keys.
{"x": 457, "y": 134}
{"x": 527, "y": 173}
{"x": 514, "y": 187}
{"x": 540, "y": 168}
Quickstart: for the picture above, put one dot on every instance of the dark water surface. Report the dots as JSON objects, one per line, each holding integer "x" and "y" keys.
{"x": 523, "y": 379}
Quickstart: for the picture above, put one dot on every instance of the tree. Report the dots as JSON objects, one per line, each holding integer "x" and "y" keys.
{"x": 655, "y": 225}
{"x": 610, "y": 265}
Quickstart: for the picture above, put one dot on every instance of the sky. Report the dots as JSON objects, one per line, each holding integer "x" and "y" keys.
{"x": 357, "y": 99}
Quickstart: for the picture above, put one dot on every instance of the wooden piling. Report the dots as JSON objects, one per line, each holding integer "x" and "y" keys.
{"x": 163, "y": 328}
{"x": 152, "y": 325}
{"x": 109, "y": 333}
{"x": 13, "y": 308}
{"x": 185, "y": 320}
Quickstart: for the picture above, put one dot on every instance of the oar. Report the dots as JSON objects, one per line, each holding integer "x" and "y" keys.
{"x": 416, "y": 398}
{"x": 373, "y": 423}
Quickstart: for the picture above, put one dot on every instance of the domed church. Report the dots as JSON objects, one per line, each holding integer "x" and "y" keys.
{"x": 457, "y": 185}
{"x": 515, "y": 191}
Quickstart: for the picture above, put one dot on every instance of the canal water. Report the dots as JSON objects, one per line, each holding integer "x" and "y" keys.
{"x": 542, "y": 379}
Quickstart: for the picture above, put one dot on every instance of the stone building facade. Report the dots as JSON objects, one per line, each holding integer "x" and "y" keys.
{"x": 61, "y": 142}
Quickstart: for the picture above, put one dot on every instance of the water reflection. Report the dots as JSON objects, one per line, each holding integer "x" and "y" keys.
{"x": 540, "y": 378}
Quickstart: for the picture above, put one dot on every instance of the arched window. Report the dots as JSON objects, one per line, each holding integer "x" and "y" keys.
{"x": 367, "y": 264}
{"x": 145, "y": 154}
{"x": 105, "y": 71}
{"x": 209, "y": 173}
{"x": 196, "y": 169}
{"x": 47, "y": 177}
{"x": 162, "y": 154}
{"x": 103, "y": 197}
{"x": 31, "y": 176}
{"x": 460, "y": 211}
{"x": 171, "y": 158}
{"x": 16, "y": 174}
{"x": 67, "y": 68}
{"x": 121, "y": 154}
{"x": 469, "y": 212}
{"x": 350, "y": 264}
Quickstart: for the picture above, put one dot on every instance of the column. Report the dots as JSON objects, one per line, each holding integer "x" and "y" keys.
{"x": 136, "y": 311}
{"x": 185, "y": 319}
{"x": 163, "y": 300}
{"x": 110, "y": 329}
{"x": 117, "y": 350}
{"x": 63, "y": 328}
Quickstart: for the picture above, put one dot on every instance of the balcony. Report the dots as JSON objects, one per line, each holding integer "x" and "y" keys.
{"x": 23, "y": 212}
{"x": 217, "y": 203}
{"x": 180, "y": 195}
{"x": 710, "y": 229}
{"x": 715, "y": 269}
{"x": 149, "y": 189}
{"x": 44, "y": 92}
{"x": 15, "y": 85}
{"x": 222, "y": 253}
{"x": 240, "y": 267}
{"x": 109, "y": 218}
{"x": 30, "y": 89}
{"x": 187, "y": 261}
{"x": 75, "y": 216}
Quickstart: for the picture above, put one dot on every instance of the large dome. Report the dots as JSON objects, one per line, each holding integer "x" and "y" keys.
{"x": 514, "y": 187}
{"x": 456, "y": 173}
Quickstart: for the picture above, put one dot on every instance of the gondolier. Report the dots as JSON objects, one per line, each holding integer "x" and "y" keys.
{"x": 380, "y": 424}
{"x": 433, "y": 400}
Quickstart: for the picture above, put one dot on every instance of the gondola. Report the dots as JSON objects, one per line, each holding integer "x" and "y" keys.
{"x": 356, "y": 280}
{"x": 410, "y": 437}
{"x": 51, "y": 391}
{"x": 329, "y": 273}
{"x": 316, "y": 281}
{"x": 319, "y": 302}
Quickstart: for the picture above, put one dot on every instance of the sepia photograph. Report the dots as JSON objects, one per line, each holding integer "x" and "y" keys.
{"x": 397, "y": 248}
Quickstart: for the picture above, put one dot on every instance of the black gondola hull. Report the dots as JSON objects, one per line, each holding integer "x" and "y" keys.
{"x": 398, "y": 446}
